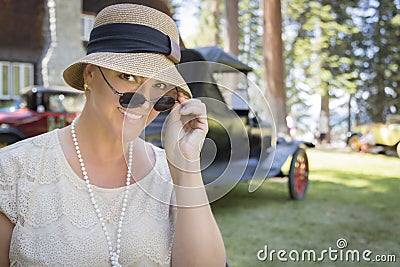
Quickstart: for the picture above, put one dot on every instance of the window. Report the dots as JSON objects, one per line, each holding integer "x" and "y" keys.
{"x": 86, "y": 26}
{"x": 5, "y": 84}
{"x": 14, "y": 76}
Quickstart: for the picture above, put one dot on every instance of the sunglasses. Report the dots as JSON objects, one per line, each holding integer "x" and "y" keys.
{"x": 135, "y": 100}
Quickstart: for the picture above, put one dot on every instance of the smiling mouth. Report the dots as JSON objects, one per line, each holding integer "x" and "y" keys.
{"x": 129, "y": 115}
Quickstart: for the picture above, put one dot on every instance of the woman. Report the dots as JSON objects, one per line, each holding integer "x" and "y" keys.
{"x": 94, "y": 193}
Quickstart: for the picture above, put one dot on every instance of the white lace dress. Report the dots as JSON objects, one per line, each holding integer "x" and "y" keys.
{"x": 55, "y": 222}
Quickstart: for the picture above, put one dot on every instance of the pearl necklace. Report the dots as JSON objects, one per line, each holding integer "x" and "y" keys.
{"x": 114, "y": 254}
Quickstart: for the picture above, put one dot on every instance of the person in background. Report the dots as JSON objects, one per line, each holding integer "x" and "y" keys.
{"x": 323, "y": 128}
{"x": 367, "y": 141}
{"x": 291, "y": 124}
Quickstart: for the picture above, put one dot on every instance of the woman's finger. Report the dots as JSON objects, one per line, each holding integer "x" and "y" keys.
{"x": 194, "y": 107}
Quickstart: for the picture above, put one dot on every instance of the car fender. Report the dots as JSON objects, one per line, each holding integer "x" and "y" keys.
{"x": 7, "y": 129}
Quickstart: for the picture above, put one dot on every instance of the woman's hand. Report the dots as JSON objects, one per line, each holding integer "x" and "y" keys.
{"x": 186, "y": 130}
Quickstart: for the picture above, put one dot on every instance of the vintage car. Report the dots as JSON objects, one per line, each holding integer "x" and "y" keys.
{"x": 38, "y": 110}
{"x": 382, "y": 137}
{"x": 239, "y": 146}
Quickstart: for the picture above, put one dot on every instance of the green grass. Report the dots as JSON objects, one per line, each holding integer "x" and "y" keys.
{"x": 350, "y": 195}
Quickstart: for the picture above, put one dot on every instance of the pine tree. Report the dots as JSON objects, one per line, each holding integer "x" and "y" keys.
{"x": 318, "y": 52}
{"x": 379, "y": 59}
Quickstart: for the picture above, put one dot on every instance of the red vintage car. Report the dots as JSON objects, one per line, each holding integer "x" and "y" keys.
{"x": 39, "y": 110}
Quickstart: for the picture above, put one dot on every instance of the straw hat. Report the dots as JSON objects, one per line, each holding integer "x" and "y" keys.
{"x": 132, "y": 39}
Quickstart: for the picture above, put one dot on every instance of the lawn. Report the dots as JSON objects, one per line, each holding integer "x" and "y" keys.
{"x": 351, "y": 196}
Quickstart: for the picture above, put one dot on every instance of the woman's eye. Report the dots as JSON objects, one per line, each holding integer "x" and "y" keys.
{"x": 161, "y": 86}
{"x": 128, "y": 77}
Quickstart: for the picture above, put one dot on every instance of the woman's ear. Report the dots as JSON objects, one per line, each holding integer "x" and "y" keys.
{"x": 88, "y": 72}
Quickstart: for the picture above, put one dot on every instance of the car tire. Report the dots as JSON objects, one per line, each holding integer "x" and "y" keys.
{"x": 298, "y": 174}
{"x": 8, "y": 139}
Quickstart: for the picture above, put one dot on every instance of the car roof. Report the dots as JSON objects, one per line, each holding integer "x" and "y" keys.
{"x": 50, "y": 89}
{"x": 218, "y": 55}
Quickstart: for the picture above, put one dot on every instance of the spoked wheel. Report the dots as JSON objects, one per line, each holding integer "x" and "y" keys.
{"x": 298, "y": 175}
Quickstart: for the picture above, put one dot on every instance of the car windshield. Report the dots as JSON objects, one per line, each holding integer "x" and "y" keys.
{"x": 13, "y": 106}
{"x": 234, "y": 89}
{"x": 70, "y": 103}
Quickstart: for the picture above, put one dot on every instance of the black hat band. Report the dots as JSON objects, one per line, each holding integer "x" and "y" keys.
{"x": 132, "y": 38}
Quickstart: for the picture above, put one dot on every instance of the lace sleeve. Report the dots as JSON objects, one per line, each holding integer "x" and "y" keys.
{"x": 9, "y": 169}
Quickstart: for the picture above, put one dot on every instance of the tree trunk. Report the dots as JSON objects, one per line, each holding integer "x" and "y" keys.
{"x": 325, "y": 107}
{"x": 349, "y": 126}
{"x": 232, "y": 27}
{"x": 231, "y": 45}
{"x": 273, "y": 62}
{"x": 214, "y": 6}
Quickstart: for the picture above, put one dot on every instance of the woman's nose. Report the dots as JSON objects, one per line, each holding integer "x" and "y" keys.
{"x": 145, "y": 90}
{"x": 146, "y": 105}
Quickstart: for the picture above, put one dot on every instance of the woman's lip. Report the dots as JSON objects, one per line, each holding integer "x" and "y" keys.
{"x": 130, "y": 115}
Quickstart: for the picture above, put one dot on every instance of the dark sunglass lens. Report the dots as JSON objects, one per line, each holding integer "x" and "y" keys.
{"x": 164, "y": 103}
{"x": 132, "y": 100}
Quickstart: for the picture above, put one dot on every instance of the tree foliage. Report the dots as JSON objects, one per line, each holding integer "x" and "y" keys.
{"x": 341, "y": 46}
{"x": 378, "y": 59}
{"x": 211, "y": 23}
{"x": 333, "y": 48}
{"x": 250, "y": 42}
{"x": 317, "y": 52}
